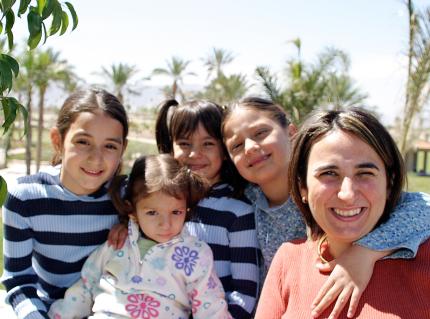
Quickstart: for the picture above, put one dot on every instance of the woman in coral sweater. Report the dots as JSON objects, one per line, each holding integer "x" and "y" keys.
{"x": 346, "y": 175}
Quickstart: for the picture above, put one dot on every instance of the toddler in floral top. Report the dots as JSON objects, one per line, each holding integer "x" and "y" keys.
{"x": 161, "y": 271}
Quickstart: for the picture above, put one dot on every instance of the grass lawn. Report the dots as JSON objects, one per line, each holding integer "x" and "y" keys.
{"x": 415, "y": 184}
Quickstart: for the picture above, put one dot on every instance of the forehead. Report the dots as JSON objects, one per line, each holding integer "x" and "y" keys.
{"x": 246, "y": 118}
{"x": 343, "y": 147}
{"x": 97, "y": 122}
{"x": 160, "y": 200}
{"x": 199, "y": 132}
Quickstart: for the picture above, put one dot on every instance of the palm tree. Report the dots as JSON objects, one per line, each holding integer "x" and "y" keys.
{"x": 216, "y": 60}
{"x": 324, "y": 83}
{"x": 48, "y": 68}
{"x": 418, "y": 81}
{"x": 119, "y": 75}
{"x": 176, "y": 69}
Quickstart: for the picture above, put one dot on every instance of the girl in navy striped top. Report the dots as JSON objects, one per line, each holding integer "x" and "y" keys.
{"x": 54, "y": 219}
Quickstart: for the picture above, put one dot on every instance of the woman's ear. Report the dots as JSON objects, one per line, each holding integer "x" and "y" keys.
{"x": 292, "y": 130}
{"x": 56, "y": 140}
{"x": 304, "y": 194}
{"x": 133, "y": 217}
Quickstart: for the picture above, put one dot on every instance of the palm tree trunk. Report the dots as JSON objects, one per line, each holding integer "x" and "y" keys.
{"x": 174, "y": 89}
{"x": 42, "y": 91}
{"x": 29, "y": 132}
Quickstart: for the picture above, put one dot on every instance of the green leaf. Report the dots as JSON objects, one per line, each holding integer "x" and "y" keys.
{"x": 34, "y": 40}
{"x": 7, "y": 4}
{"x": 9, "y": 110}
{"x": 10, "y": 20}
{"x": 23, "y": 5}
{"x": 44, "y": 32}
{"x": 56, "y": 19}
{"x": 3, "y": 190}
{"x": 47, "y": 10}
{"x": 40, "y": 6}
{"x": 9, "y": 34}
{"x": 1, "y": 27}
{"x": 12, "y": 63}
{"x": 5, "y": 74}
{"x": 34, "y": 22}
{"x": 24, "y": 113}
{"x": 64, "y": 23}
{"x": 73, "y": 13}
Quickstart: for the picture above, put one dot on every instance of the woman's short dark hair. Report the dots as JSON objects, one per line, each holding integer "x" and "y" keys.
{"x": 363, "y": 125}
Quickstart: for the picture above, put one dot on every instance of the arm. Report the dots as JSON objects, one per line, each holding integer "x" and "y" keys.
{"x": 79, "y": 298}
{"x": 244, "y": 267}
{"x": 407, "y": 227}
{"x": 19, "y": 277}
{"x": 206, "y": 289}
{"x": 273, "y": 302}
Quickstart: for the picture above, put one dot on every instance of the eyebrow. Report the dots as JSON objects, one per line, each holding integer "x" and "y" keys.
{"x": 111, "y": 139}
{"x": 361, "y": 165}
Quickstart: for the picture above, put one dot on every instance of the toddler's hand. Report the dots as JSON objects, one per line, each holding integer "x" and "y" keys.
{"x": 117, "y": 236}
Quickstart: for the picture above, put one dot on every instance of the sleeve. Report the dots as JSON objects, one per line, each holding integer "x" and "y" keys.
{"x": 205, "y": 291}
{"x": 273, "y": 302}
{"x": 244, "y": 255}
{"x": 19, "y": 277}
{"x": 79, "y": 298}
{"x": 407, "y": 227}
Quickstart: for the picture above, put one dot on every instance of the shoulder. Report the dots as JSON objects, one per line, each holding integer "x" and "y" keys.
{"x": 418, "y": 198}
{"x": 220, "y": 199}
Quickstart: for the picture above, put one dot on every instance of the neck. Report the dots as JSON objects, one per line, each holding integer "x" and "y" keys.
{"x": 276, "y": 191}
{"x": 337, "y": 247}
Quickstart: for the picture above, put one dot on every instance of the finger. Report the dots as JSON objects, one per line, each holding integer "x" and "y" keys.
{"x": 327, "y": 300}
{"x": 323, "y": 291}
{"x": 122, "y": 238}
{"x": 353, "y": 304}
{"x": 340, "y": 303}
{"x": 326, "y": 267}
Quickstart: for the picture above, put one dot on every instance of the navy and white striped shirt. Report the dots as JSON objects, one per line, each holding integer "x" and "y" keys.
{"x": 228, "y": 226}
{"x": 48, "y": 234}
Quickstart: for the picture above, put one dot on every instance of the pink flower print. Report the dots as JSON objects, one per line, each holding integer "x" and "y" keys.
{"x": 195, "y": 303}
{"x": 185, "y": 258}
{"x": 142, "y": 306}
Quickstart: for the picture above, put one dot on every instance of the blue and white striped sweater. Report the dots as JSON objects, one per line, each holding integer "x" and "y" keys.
{"x": 48, "y": 234}
{"x": 228, "y": 226}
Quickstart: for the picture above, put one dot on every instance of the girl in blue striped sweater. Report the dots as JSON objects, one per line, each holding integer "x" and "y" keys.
{"x": 192, "y": 133}
{"x": 54, "y": 219}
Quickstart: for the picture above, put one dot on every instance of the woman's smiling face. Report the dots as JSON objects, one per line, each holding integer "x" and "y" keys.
{"x": 346, "y": 186}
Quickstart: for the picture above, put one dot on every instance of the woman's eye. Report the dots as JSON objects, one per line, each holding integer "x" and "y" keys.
{"x": 366, "y": 173}
{"x": 329, "y": 173}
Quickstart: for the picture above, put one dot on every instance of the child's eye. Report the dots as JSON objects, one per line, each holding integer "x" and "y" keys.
{"x": 82, "y": 142}
{"x": 208, "y": 144}
{"x": 177, "y": 212}
{"x": 183, "y": 144}
{"x": 112, "y": 147}
{"x": 236, "y": 147}
{"x": 151, "y": 213}
{"x": 261, "y": 132}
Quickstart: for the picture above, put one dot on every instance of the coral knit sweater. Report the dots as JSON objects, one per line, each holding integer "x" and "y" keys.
{"x": 398, "y": 288}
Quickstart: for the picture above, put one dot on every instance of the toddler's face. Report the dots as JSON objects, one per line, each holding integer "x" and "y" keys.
{"x": 161, "y": 216}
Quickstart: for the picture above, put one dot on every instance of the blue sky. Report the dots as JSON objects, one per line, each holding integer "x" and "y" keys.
{"x": 147, "y": 33}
